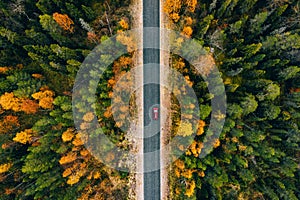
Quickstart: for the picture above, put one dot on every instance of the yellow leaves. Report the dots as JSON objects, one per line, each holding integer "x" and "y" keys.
{"x": 242, "y": 147}
{"x": 179, "y": 164}
{"x": 88, "y": 117}
{"x": 38, "y": 76}
{"x": 67, "y": 172}
{"x": 172, "y": 6}
{"x": 125, "y": 61}
{"x": 190, "y": 189}
{"x": 64, "y": 22}
{"x": 45, "y": 98}
{"x": 201, "y": 173}
{"x": 201, "y": 125}
{"x": 127, "y": 41}
{"x": 177, "y": 172}
{"x": 97, "y": 175}
{"x": 234, "y": 139}
{"x": 188, "y": 173}
{"x": 111, "y": 82}
{"x": 24, "y": 136}
{"x": 108, "y": 113}
{"x": 70, "y": 157}
{"x": 217, "y": 143}
{"x": 175, "y": 17}
{"x": 68, "y": 135}
{"x": 191, "y": 5}
{"x": 185, "y": 129}
{"x": 9, "y": 102}
{"x": 187, "y": 31}
{"x": 195, "y": 149}
{"x": 188, "y": 81}
{"x": 78, "y": 140}
{"x": 8, "y": 123}
{"x": 5, "y": 167}
{"x": 84, "y": 152}
{"x": 188, "y": 21}
{"x": 124, "y": 24}
{"x": 73, "y": 179}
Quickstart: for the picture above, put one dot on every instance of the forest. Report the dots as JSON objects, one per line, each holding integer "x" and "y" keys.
{"x": 255, "y": 45}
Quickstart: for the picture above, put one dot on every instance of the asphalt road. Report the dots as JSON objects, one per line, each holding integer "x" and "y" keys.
{"x": 151, "y": 13}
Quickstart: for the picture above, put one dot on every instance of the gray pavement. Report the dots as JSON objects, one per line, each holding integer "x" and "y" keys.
{"x": 151, "y": 98}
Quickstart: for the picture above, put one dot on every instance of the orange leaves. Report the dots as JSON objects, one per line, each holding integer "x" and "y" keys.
{"x": 45, "y": 98}
{"x": 97, "y": 175}
{"x": 8, "y": 123}
{"x": 9, "y": 102}
{"x": 174, "y": 7}
{"x": 78, "y": 141}
{"x": 3, "y": 70}
{"x": 70, "y": 157}
{"x": 74, "y": 173}
{"x": 38, "y": 76}
{"x": 5, "y": 167}
{"x": 179, "y": 164}
{"x": 91, "y": 36}
{"x": 108, "y": 112}
{"x": 195, "y": 149}
{"x": 188, "y": 21}
{"x": 29, "y": 107}
{"x": 187, "y": 31}
{"x": 191, "y": 5}
{"x": 123, "y": 24}
{"x": 64, "y": 22}
{"x": 201, "y": 126}
{"x": 190, "y": 188}
{"x": 217, "y": 143}
{"x": 67, "y": 172}
{"x": 68, "y": 135}
{"x": 24, "y": 136}
{"x": 73, "y": 179}
{"x": 175, "y": 17}
{"x": 127, "y": 40}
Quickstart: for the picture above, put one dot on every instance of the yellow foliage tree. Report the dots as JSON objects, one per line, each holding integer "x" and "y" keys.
{"x": 45, "y": 98}
{"x": 68, "y": 135}
{"x": 187, "y": 31}
{"x": 24, "y": 136}
{"x": 185, "y": 129}
{"x": 8, "y": 123}
{"x": 70, "y": 157}
{"x": 5, "y": 167}
{"x": 123, "y": 24}
{"x": 9, "y": 102}
{"x": 190, "y": 188}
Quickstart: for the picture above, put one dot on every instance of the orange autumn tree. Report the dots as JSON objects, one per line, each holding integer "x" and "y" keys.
{"x": 8, "y": 123}
{"x": 8, "y": 101}
{"x": 64, "y": 21}
{"x": 24, "y": 137}
{"x": 45, "y": 97}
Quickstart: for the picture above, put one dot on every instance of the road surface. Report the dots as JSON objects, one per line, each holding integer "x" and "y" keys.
{"x": 151, "y": 98}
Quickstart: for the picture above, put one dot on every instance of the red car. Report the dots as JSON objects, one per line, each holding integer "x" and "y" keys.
{"x": 155, "y": 113}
